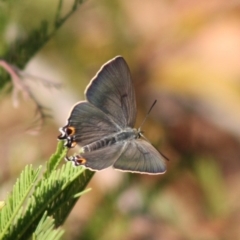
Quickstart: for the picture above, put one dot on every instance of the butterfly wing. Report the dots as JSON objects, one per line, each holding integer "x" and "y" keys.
{"x": 111, "y": 90}
{"x": 86, "y": 124}
{"x": 101, "y": 158}
{"x": 141, "y": 157}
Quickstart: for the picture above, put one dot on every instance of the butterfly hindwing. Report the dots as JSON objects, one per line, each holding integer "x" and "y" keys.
{"x": 140, "y": 156}
{"x": 89, "y": 123}
{"x": 103, "y": 157}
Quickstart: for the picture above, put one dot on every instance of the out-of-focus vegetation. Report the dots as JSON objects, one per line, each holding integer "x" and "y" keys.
{"x": 185, "y": 54}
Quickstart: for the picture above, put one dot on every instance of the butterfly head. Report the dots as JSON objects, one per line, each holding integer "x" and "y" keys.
{"x": 139, "y": 133}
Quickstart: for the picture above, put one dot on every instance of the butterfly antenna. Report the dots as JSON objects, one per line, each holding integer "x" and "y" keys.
{"x": 144, "y": 120}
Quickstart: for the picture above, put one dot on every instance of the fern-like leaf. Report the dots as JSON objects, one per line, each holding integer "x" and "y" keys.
{"x": 46, "y": 229}
{"x": 55, "y": 159}
{"x": 13, "y": 205}
{"x": 55, "y": 195}
{"x": 56, "y": 192}
{"x": 22, "y": 50}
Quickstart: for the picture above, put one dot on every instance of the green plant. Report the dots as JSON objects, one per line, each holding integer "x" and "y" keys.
{"x": 41, "y": 198}
{"x": 36, "y": 195}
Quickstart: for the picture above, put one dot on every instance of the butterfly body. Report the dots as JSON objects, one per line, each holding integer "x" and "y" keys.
{"x": 125, "y": 135}
{"x": 103, "y": 125}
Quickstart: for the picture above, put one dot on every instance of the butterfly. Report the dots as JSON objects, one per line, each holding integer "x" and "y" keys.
{"x": 102, "y": 125}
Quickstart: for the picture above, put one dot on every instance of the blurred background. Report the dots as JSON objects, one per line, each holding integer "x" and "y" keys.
{"x": 185, "y": 54}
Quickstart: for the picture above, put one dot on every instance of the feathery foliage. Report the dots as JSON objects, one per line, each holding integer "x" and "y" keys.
{"x": 40, "y": 201}
{"x": 13, "y": 206}
{"x": 45, "y": 229}
{"x": 22, "y": 50}
{"x": 55, "y": 193}
{"x": 55, "y": 159}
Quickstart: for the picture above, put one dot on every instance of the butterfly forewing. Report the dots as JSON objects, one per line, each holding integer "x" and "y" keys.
{"x": 112, "y": 91}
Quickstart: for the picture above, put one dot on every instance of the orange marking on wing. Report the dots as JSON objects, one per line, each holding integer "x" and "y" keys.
{"x": 80, "y": 160}
{"x": 70, "y": 131}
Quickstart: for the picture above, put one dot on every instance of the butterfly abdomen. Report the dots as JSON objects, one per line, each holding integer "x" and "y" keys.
{"x": 119, "y": 137}
{"x": 104, "y": 142}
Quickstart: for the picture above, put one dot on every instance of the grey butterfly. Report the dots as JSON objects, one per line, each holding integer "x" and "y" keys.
{"x": 103, "y": 125}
